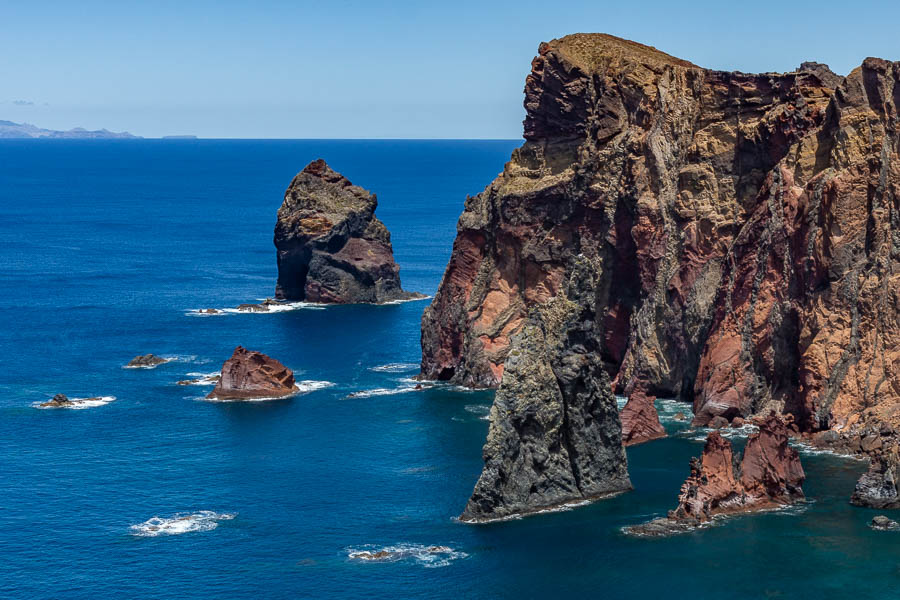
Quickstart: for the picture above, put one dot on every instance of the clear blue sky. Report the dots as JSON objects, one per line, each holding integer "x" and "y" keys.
{"x": 342, "y": 68}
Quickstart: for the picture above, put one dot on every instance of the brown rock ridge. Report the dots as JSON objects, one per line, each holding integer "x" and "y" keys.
{"x": 250, "y": 375}
{"x": 742, "y": 227}
{"x": 768, "y": 475}
{"x": 640, "y": 420}
{"x": 331, "y": 247}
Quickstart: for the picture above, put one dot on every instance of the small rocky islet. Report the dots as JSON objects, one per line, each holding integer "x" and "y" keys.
{"x": 147, "y": 361}
{"x": 251, "y": 375}
{"x": 331, "y": 248}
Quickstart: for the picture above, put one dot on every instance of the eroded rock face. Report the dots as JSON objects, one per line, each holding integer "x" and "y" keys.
{"x": 640, "y": 420}
{"x": 331, "y": 247}
{"x": 769, "y": 474}
{"x": 554, "y": 436}
{"x": 879, "y": 487}
{"x": 744, "y": 230}
{"x": 249, "y": 375}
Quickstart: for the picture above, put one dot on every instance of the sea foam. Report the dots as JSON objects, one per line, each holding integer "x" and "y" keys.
{"x": 79, "y": 403}
{"x": 204, "y": 520}
{"x": 425, "y": 556}
{"x": 395, "y": 368}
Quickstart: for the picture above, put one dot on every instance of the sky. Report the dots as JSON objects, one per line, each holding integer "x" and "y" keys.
{"x": 349, "y": 69}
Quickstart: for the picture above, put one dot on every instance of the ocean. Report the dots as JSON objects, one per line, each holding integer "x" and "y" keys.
{"x": 105, "y": 249}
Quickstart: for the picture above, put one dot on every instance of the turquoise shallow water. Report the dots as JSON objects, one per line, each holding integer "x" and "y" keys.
{"x": 104, "y": 248}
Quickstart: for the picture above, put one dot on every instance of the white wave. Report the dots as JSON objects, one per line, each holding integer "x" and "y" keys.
{"x": 482, "y": 410}
{"x": 403, "y": 301}
{"x": 204, "y": 520}
{"x": 273, "y": 308}
{"x": 806, "y": 448}
{"x": 304, "y": 387}
{"x": 383, "y": 392}
{"x": 202, "y": 378}
{"x": 700, "y": 434}
{"x": 395, "y": 368}
{"x": 79, "y": 403}
{"x": 426, "y": 556}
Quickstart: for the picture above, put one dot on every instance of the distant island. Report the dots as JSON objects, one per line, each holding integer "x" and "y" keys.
{"x": 10, "y": 130}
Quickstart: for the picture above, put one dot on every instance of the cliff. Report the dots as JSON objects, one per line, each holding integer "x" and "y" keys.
{"x": 331, "y": 247}
{"x": 740, "y": 229}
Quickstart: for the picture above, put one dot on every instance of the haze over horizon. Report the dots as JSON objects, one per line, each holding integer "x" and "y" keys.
{"x": 369, "y": 69}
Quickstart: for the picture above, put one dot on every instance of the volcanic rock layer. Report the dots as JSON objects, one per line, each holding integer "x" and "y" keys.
{"x": 743, "y": 230}
{"x": 250, "y": 375}
{"x": 330, "y": 246}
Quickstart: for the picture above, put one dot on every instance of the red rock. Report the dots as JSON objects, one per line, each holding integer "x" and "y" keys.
{"x": 249, "y": 374}
{"x": 770, "y": 470}
{"x": 770, "y": 474}
{"x": 640, "y": 420}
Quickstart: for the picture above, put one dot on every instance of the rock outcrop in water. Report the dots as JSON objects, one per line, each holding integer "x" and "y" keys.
{"x": 744, "y": 230}
{"x": 331, "y": 247}
{"x": 879, "y": 487}
{"x": 554, "y": 436}
{"x": 640, "y": 420}
{"x": 146, "y": 361}
{"x": 58, "y": 401}
{"x": 249, "y": 375}
{"x": 768, "y": 475}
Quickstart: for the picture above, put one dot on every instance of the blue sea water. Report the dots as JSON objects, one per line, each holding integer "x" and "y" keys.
{"x": 105, "y": 247}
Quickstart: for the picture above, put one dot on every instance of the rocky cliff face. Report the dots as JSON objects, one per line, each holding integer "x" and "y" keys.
{"x": 743, "y": 229}
{"x": 331, "y": 247}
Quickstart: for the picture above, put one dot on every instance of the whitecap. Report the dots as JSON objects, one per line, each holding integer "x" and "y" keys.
{"x": 426, "y": 556}
{"x": 395, "y": 368}
{"x": 201, "y": 378}
{"x": 204, "y": 520}
{"x": 273, "y": 308}
{"x": 383, "y": 392}
{"x": 304, "y": 387}
{"x": 79, "y": 403}
{"x": 482, "y": 410}
{"x": 404, "y": 300}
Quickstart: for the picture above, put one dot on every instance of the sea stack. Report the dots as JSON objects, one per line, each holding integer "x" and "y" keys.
{"x": 331, "y": 247}
{"x": 741, "y": 229}
{"x": 768, "y": 475}
{"x": 250, "y": 375}
{"x": 555, "y": 435}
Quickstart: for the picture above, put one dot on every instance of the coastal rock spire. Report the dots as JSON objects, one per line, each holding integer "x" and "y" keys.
{"x": 768, "y": 475}
{"x": 555, "y": 435}
{"x": 743, "y": 229}
{"x": 331, "y": 247}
